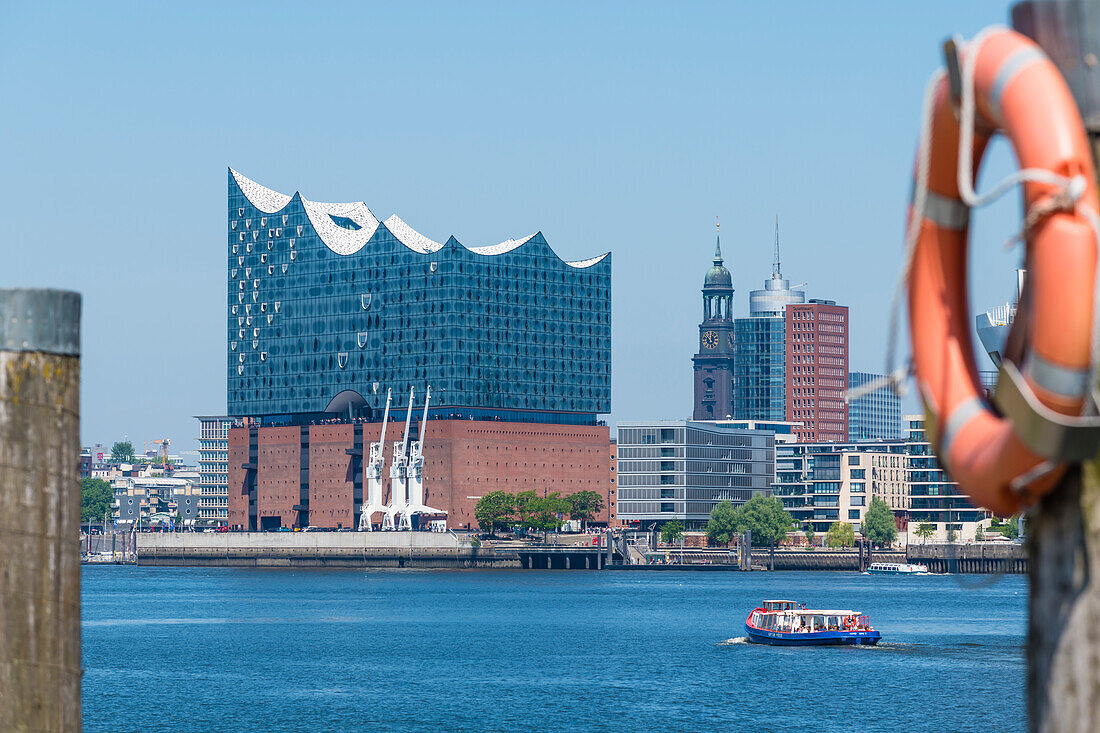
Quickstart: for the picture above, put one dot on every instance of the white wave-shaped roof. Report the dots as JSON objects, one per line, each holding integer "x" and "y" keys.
{"x": 262, "y": 197}
{"x": 581, "y": 264}
{"x": 498, "y": 249}
{"x": 344, "y": 241}
{"x": 409, "y": 237}
{"x": 339, "y": 239}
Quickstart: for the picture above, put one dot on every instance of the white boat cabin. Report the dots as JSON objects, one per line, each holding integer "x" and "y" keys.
{"x": 786, "y": 616}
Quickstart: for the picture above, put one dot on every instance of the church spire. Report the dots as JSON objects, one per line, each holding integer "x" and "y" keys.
{"x": 717, "y": 242}
{"x": 775, "y": 262}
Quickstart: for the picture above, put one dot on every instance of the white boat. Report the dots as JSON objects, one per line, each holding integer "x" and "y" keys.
{"x": 896, "y": 568}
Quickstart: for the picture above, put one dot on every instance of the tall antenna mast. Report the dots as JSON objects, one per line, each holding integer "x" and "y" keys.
{"x": 775, "y": 263}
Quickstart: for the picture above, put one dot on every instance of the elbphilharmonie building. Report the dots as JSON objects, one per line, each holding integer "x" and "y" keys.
{"x": 329, "y": 308}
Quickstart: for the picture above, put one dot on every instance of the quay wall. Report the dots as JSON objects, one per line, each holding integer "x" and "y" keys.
{"x": 978, "y": 557}
{"x": 820, "y": 559}
{"x": 316, "y": 549}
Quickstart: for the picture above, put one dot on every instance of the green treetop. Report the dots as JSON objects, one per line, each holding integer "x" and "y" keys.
{"x": 765, "y": 517}
{"x": 96, "y": 499}
{"x": 925, "y": 530}
{"x": 722, "y": 526}
{"x": 672, "y": 532}
{"x": 840, "y": 534}
{"x": 494, "y": 511}
{"x": 584, "y": 505}
{"x": 878, "y": 523}
{"x": 122, "y": 452}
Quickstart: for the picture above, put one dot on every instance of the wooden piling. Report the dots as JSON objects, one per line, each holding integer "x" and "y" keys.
{"x": 39, "y": 510}
{"x": 1063, "y": 531}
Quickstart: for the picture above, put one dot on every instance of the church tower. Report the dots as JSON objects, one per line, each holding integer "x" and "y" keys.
{"x": 714, "y": 362}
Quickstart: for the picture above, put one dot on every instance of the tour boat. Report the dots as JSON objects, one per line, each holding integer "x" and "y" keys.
{"x": 896, "y": 568}
{"x": 785, "y": 623}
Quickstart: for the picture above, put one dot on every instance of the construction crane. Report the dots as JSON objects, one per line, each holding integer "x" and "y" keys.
{"x": 164, "y": 452}
{"x": 416, "y": 474}
{"x": 374, "y": 474}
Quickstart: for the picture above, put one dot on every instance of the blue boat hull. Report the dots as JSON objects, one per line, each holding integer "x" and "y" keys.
{"x": 817, "y": 638}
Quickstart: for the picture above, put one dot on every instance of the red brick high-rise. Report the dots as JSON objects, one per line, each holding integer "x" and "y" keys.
{"x": 817, "y": 370}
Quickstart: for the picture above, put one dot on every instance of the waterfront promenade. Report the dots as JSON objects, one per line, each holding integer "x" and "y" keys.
{"x": 569, "y": 552}
{"x": 317, "y": 549}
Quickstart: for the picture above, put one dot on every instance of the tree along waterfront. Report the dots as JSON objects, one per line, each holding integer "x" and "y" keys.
{"x": 501, "y": 510}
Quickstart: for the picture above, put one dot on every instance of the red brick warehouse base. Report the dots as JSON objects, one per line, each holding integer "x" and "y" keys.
{"x": 463, "y": 460}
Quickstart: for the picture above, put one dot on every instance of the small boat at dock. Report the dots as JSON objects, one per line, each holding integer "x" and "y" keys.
{"x": 897, "y": 568}
{"x": 786, "y": 623}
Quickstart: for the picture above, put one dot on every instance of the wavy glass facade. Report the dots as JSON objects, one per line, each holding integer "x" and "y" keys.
{"x": 327, "y": 303}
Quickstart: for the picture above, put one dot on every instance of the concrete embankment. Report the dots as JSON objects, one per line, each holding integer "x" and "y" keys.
{"x": 317, "y": 549}
{"x": 821, "y": 559}
{"x": 979, "y": 557}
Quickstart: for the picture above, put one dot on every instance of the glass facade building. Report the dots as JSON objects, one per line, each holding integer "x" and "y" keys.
{"x": 875, "y": 416}
{"x": 759, "y": 367}
{"x": 328, "y": 308}
{"x": 682, "y": 469}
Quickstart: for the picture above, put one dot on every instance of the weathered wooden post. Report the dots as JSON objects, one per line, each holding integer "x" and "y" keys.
{"x": 1064, "y": 530}
{"x": 39, "y": 510}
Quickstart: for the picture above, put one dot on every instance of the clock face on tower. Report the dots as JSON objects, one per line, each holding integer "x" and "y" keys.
{"x": 729, "y": 340}
{"x": 710, "y": 339}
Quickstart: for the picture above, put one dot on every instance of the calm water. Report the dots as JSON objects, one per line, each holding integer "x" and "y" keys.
{"x": 193, "y": 649}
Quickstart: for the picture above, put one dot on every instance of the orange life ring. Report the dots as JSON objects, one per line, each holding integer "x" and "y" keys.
{"x": 1019, "y": 92}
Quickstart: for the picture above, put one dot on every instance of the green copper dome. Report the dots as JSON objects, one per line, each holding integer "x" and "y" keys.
{"x": 718, "y": 276}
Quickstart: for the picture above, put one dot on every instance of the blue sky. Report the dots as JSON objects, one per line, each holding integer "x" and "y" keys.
{"x": 608, "y": 126}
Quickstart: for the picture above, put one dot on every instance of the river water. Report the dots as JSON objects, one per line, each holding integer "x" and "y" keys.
{"x": 223, "y": 649}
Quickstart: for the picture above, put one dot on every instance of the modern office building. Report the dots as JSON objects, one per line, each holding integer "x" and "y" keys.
{"x": 759, "y": 365}
{"x": 329, "y": 308}
{"x": 714, "y": 362}
{"x": 933, "y": 497}
{"x": 214, "y": 468}
{"x": 682, "y": 469}
{"x": 821, "y": 483}
{"x": 817, "y": 370}
{"x": 875, "y": 416}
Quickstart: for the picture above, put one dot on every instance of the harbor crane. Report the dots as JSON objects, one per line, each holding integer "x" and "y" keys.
{"x": 416, "y": 474}
{"x": 374, "y": 474}
{"x": 164, "y": 452}
{"x": 399, "y": 472}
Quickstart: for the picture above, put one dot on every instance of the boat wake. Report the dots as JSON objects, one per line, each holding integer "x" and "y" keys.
{"x": 735, "y": 640}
